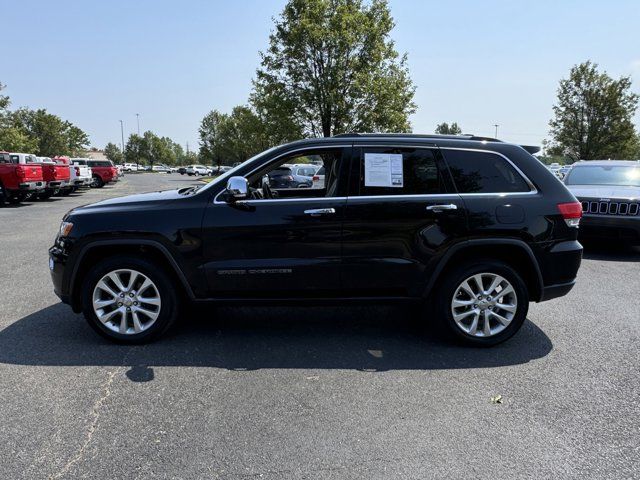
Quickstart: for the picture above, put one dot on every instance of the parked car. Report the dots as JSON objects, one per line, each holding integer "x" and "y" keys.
{"x": 197, "y": 170}
{"x": 182, "y": 170}
{"x": 56, "y": 176}
{"x": 102, "y": 171}
{"x": 20, "y": 174}
{"x": 219, "y": 170}
{"x": 472, "y": 228}
{"x": 161, "y": 168}
{"x": 120, "y": 170}
{"x": 609, "y": 191}
{"x": 81, "y": 174}
{"x": 130, "y": 167}
{"x": 564, "y": 170}
{"x": 318, "y": 179}
{"x": 284, "y": 177}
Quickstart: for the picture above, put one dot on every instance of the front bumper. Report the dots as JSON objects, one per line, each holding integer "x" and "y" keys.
{"x": 611, "y": 227}
{"x": 31, "y": 186}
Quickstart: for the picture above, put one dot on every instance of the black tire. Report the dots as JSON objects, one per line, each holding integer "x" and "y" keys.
{"x": 3, "y": 196}
{"x": 15, "y": 198}
{"x": 97, "y": 182}
{"x": 46, "y": 195}
{"x": 166, "y": 289}
{"x": 451, "y": 282}
{"x": 66, "y": 192}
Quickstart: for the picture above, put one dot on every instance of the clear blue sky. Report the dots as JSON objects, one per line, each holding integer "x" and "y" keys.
{"x": 474, "y": 62}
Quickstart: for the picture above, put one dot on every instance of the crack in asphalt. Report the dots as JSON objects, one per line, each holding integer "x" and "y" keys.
{"x": 94, "y": 415}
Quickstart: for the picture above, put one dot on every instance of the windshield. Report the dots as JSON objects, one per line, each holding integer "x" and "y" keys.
{"x": 604, "y": 175}
{"x": 230, "y": 173}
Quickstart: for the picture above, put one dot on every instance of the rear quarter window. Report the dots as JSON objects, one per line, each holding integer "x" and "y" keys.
{"x": 483, "y": 172}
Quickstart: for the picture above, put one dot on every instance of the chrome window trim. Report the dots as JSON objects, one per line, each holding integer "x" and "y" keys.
{"x": 533, "y": 190}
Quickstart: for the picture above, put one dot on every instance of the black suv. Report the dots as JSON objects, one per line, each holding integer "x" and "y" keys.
{"x": 474, "y": 228}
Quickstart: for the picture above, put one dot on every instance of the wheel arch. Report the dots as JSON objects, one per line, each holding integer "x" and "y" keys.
{"x": 98, "y": 250}
{"x": 513, "y": 252}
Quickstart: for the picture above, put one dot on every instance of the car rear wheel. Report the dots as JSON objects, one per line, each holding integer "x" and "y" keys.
{"x": 45, "y": 195}
{"x": 482, "y": 304}
{"x": 129, "y": 300}
{"x": 97, "y": 182}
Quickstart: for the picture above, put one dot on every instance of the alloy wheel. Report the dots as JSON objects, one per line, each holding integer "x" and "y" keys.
{"x": 126, "y": 301}
{"x": 484, "y": 305}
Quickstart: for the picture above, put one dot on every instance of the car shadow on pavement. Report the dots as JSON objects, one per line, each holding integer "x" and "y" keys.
{"x": 612, "y": 251}
{"x": 359, "y": 338}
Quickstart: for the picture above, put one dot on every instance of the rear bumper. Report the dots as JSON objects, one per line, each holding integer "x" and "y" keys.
{"x": 559, "y": 266}
{"x": 554, "y": 291}
{"x": 31, "y": 186}
{"x": 55, "y": 184}
{"x": 611, "y": 227}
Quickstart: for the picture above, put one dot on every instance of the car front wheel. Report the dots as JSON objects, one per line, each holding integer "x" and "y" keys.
{"x": 129, "y": 300}
{"x": 483, "y": 304}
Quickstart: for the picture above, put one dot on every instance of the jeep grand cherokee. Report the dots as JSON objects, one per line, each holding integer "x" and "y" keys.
{"x": 472, "y": 228}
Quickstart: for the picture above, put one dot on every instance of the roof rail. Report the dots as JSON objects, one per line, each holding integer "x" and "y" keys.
{"x": 465, "y": 136}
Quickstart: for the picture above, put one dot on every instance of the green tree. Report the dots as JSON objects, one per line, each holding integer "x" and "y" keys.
{"x": 4, "y": 100}
{"x": 445, "y": 129}
{"x": 331, "y": 67}
{"x": 210, "y": 140}
{"x": 13, "y": 137}
{"x": 52, "y": 135}
{"x": 235, "y": 137}
{"x": 135, "y": 150}
{"x": 593, "y": 116}
{"x": 113, "y": 153}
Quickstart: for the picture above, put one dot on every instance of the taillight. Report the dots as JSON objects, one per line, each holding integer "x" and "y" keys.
{"x": 55, "y": 172}
{"x": 316, "y": 178}
{"x": 571, "y": 212}
{"x": 20, "y": 171}
{"x": 77, "y": 169}
{"x": 289, "y": 177}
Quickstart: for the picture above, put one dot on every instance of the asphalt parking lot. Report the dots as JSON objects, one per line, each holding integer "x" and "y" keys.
{"x": 311, "y": 392}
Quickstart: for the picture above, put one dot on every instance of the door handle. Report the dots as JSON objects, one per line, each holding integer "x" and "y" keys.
{"x": 317, "y": 212}
{"x": 441, "y": 208}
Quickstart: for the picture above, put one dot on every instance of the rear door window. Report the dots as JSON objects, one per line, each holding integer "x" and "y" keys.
{"x": 412, "y": 171}
{"x": 483, "y": 172}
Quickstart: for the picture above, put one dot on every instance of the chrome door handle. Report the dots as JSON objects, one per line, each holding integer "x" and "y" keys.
{"x": 440, "y": 208}
{"x": 317, "y": 212}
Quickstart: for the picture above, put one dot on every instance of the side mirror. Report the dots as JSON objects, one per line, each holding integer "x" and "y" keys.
{"x": 237, "y": 188}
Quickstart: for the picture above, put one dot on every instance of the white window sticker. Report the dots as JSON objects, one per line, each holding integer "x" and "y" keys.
{"x": 383, "y": 170}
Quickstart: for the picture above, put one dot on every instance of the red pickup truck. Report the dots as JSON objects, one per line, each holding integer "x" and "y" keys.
{"x": 56, "y": 176}
{"x": 20, "y": 174}
{"x": 103, "y": 171}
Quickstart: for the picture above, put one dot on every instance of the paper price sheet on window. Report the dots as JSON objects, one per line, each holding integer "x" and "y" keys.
{"x": 383, "y": 170}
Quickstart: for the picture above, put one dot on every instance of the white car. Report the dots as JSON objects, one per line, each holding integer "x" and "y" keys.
{"x": 318, "y": 179}
{"x": 197, "y": 170}
{"x": 81, "y": 173}
{"x": 161, "y": 168}
{"x": 304, "y": 169}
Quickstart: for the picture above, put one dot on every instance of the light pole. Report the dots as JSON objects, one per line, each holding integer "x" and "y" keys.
{"x": 138, "y": 121}
{"x": 122, "y": 134}
{"x": 496, "y": 125}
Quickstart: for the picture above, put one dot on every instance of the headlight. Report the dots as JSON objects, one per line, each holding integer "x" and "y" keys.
{"x": 65, "y": 229}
